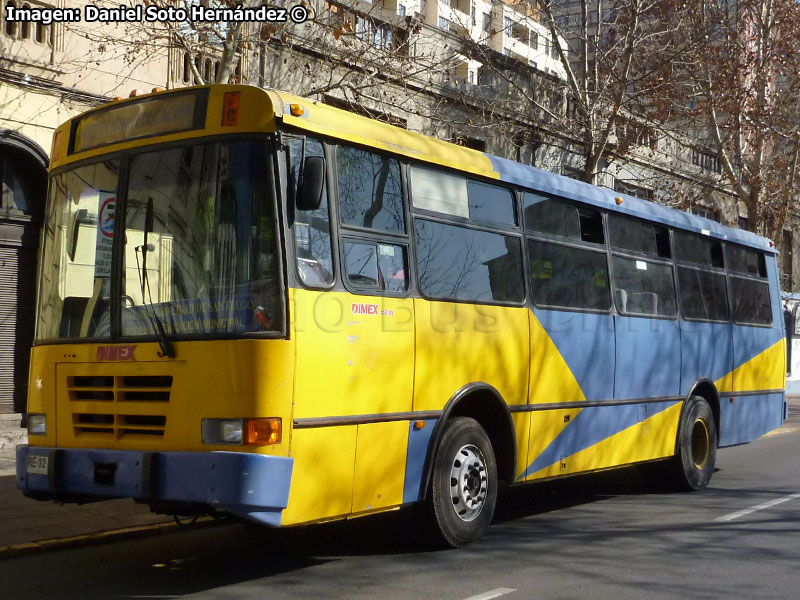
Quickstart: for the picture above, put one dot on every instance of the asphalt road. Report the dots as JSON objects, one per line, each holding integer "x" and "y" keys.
{"x": 601, "y": 536}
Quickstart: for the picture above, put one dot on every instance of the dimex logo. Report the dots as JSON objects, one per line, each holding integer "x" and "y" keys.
{"x": 358, "y": 308}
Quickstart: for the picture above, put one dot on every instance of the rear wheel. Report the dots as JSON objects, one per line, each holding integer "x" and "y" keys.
{"x": 697, "y": 445}
{"x": 464, "y": 482}
{"x": 693, "y": 464}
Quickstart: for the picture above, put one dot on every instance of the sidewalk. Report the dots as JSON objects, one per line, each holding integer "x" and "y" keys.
{"x": 28, "y": 525}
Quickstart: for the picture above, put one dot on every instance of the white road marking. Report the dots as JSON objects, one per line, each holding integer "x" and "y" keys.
{"x": 752, "y": 509}
{"x": 492, "y": 594}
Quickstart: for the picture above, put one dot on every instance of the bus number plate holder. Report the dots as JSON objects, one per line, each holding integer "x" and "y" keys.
{"x": 37, "y": 465}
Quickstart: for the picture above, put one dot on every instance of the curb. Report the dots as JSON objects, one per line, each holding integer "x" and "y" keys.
{"x": 99, "y": 537}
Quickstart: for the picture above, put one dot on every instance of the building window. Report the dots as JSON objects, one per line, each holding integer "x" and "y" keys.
{"x": 744, "y": 224}
{"x": 11, "y": 26}
{"x": 16, "y": 195}
{"x": 43, "y": 34}
{"x": 401, "y": 10}
{"x": 706, "y": 160}
{"x": 533, "y": 40}
{"x": 25, "y": 26}
{"x": 631, "y": 189}
{"x": 487, "y": 23}
{"x": 708, "y": 213}
{"x": 444, "y": 24}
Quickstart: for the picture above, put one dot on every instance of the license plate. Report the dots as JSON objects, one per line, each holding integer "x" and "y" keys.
{"x": 37, "y": 465}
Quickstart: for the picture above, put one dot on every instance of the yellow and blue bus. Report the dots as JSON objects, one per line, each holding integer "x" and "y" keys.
{"x": 262, "y": 305}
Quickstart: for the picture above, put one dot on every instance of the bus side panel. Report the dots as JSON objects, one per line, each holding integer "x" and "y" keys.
{"x": 646, "y": 364}
{"x": 457, "y": 344}
{"x": 322, "y": 480}
{"x": 572, "y": 357}
{"x": 380, "y": 461}
{"x": 706, "y": 351}
{"x": 759, "y": 365}
{"x": 605, "y": 445}
{"x": 648, "y": 358}
{"x": 355, "y": 359}
{"x": 745, "y": 418}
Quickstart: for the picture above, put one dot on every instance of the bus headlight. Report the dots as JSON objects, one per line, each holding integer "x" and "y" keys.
{"x": 230, "y": 431}
{"x": 242, "y": 432}
{"x": 37, "y": 424}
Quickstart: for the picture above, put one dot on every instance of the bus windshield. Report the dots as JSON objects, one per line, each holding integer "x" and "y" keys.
{"x": 199, "y": 253}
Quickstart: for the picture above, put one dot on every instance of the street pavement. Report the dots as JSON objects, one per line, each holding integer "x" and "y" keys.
{"x": 30, "y": 526}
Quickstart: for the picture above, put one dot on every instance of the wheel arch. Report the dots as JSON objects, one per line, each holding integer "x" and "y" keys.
{"x": 706, "y": 389}
{"x": 482, "y": 402}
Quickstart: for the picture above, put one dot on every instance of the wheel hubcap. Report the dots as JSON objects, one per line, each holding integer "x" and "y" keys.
{"x": 701, "y": 444}
{"x": 468, "y": 482}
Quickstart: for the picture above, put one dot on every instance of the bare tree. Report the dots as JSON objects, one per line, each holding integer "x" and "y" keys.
{"x": 736, "y": 92}
{"x": 608, "y": 52}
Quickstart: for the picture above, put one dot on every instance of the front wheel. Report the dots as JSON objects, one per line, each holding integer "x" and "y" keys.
{"x": 464, "y": 482}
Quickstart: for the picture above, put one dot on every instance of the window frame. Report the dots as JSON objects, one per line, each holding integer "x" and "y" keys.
{"x": 343, "y": 232}
{"x": 284, "y": 158}
{"x": 466, "y": 224}
{"x": 552, "y": 238}
{"x": 456, "y": 219}
{"x": 703, "y": 268}
{"x": 733, "y": 274}
{"x": 346, "y": 237}
{"x": 274, "y": 157}
{"x": 647, "y": 258}
{"x": 404, "y": 195}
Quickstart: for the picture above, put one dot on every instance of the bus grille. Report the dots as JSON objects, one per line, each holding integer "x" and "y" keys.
{"x": 105, "y": 404}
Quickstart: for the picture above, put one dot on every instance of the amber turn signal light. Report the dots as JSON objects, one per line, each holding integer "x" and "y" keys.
{"x": 262, "y": 432}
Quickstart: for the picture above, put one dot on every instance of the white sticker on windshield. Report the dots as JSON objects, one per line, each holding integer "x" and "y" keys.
{"x": 105, "y": 234}
{"x": 641, "y": 265}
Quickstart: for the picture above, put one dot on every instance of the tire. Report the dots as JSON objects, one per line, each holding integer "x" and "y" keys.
{"x": 696, "y": 452}
{"x": 697, "y": 445}
{"x": 463, "y": 483}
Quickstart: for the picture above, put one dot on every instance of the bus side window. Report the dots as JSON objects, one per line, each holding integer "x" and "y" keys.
{"x": 641, "y": 263}
{"x": 370, "y": 190}
{"x": 312, "y": 229}
{"x": 702, "y": 288}
{"x": 747, "y": 275}
{"x": 375, "y": 266}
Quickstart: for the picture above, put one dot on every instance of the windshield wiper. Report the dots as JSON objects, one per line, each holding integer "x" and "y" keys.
{"x": 165, "y": 345}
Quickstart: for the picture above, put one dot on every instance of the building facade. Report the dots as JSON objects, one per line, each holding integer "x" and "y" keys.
{"x": 482, "y": 74}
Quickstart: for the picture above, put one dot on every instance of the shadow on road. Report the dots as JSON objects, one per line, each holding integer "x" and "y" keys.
{"x": 206, "y": 558}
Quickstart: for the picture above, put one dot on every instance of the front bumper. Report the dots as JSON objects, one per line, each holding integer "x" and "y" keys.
{"x": 253, "y": 486}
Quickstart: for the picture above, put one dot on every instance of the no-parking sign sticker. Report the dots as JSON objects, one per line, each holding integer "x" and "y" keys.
{"x": 105, "y": 234}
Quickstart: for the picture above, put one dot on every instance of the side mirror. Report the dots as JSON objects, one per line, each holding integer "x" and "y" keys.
{"x": 310, "y": 183}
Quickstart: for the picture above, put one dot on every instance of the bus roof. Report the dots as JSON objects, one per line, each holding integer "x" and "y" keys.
{"x": 327, "y": 120}
{"x": 316, "y": 117}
